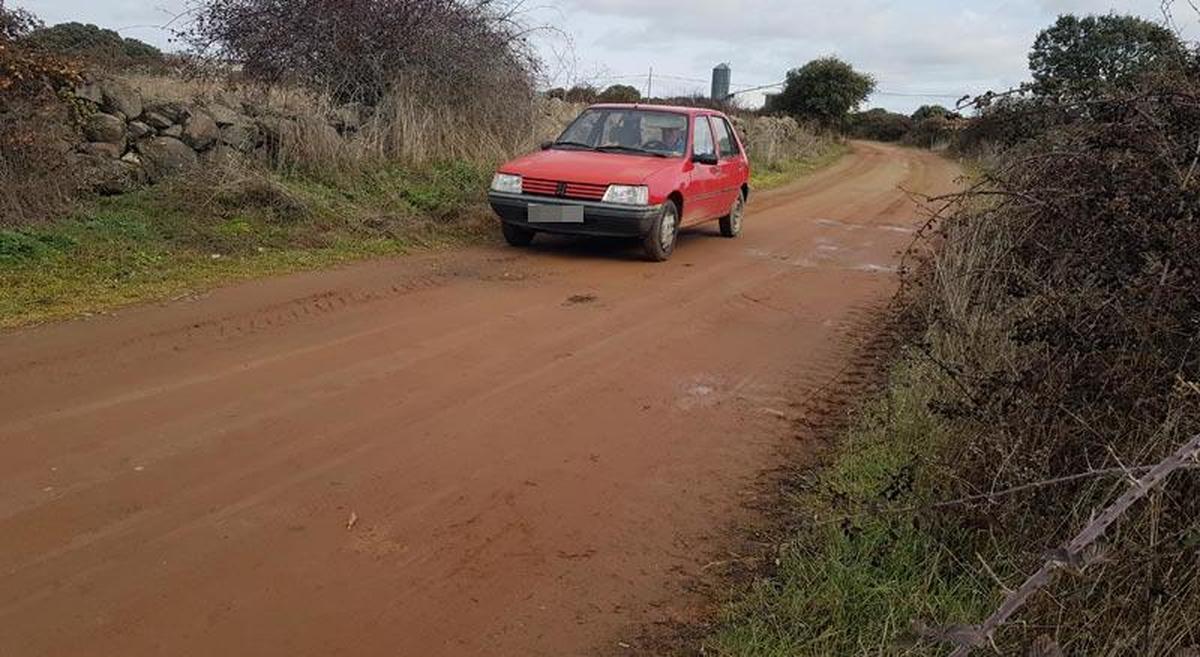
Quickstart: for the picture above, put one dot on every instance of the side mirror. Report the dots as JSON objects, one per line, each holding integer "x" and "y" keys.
{"x": 546, "y": 145}
{"x": 705, "y": 158}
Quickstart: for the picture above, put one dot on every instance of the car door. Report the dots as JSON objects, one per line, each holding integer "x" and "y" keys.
{"x": 700, "y": 201}
{"x": 732, "y": 170}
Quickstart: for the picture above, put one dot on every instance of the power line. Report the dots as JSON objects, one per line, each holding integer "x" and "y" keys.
{"x": 748, "y": 88}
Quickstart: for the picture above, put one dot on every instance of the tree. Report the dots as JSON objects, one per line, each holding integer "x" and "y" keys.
{"x": 16, "y": 22}
{"x": 620, "y": 93}
{"x": 582, "y": 93}
{"x": 931, "y": 112}
{"x": 1080, "y": 58}
{"x": 92, "y": 42}
{"x": 824, "y": 90}
{"x": 880, "y": 125}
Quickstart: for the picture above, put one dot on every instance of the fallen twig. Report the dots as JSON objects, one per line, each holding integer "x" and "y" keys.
{"x": 1077, "y": 554}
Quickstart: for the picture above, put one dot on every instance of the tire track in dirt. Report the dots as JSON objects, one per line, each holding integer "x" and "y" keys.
{"x": 530, "y": 475}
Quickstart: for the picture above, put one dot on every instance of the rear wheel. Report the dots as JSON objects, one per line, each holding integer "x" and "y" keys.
{"x": 517, "y": 235}
{"x": 659, "y": 243}
{"x": 731, "y": 224}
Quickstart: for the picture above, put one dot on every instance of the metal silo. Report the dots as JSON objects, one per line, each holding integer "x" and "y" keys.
{"x": 720, "y": 82}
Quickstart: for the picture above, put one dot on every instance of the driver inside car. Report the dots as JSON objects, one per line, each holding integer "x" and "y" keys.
{"x": 674, "y": 139}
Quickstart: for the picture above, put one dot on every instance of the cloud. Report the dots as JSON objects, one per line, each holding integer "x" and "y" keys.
{"x": 948, "y": 47}
{"x": 945, "y": 47}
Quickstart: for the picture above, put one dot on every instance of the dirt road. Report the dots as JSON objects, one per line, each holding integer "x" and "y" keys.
{"x": 489, "y": 452}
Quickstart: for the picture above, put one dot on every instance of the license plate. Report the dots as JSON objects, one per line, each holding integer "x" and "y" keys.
{"x": 555, "y": 214}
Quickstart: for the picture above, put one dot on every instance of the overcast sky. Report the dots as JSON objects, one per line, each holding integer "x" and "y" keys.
{"x": 921, "y": 51}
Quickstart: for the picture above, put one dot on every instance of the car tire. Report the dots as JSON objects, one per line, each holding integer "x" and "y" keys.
{"x": 659, "y": 243}
{"x": 517, "y": 235}
{"x": 731, "y": 224}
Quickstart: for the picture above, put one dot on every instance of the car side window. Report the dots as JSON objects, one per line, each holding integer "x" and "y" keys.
{"x": 703, "y": 144}
{"x": 725, "y": 141}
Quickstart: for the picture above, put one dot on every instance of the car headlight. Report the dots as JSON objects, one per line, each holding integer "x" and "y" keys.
{"x": 506, "y": 182}
{"x": 627, "y": 194}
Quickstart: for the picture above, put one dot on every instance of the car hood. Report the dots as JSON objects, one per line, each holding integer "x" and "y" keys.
{"x": 589, "y": 166}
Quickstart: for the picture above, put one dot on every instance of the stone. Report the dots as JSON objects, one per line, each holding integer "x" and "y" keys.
{"x": 200, "y": 131}
{"x": 165, "y": 156}
{"x": 241, "y": 137}
{"x": 175, "y": 131}
{"x": 224, "y": 116}
{"x": 174, "y": 112}
{"x": 132, "y": 157}
{"x": 104, "y": 128}
{"x": 138, "y": 130}
{"x": 120, "y": 97}
{"x": 220, "y": 156}
{"x": 102, "y": 149}
{"x": 89, "y": 91}
{"x": 157, "y": 121}
{"x": 107, "y": 176}
{"x": 273, "y": 129}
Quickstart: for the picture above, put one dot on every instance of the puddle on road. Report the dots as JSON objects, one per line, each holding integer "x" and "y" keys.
{"x": 891, "y": 228}
{"x": 701, "y": 391}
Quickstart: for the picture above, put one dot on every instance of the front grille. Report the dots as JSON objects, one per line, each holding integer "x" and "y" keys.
{"x": 581, "y": 191}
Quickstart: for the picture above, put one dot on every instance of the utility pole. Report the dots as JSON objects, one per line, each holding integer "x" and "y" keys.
{"x": 650, "y": 84}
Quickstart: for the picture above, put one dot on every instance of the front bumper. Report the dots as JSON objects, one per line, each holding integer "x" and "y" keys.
{"x": 599, "y": 219}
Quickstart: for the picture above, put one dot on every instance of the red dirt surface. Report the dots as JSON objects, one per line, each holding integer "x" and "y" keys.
{"x": 538, "y": 448}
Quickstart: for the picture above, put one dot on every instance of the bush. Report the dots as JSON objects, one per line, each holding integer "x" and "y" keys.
{"x": 1064, "y": 305}
{"x": 620, "y": 93}
{"x": 880, "y": 125}
{"x": 98, "y": 46}
{"x": 16, "y": 23}
{"x": 457, "y": 51}
{"x": 583, "y": 94}
{"x": 36, "y": 125}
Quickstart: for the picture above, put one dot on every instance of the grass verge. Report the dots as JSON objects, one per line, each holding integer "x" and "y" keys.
{"x": 192, "y": 234}
{"x": 778, "y": 174}
{"x": 189, "y": 235}
{"x": 851, "y": 579}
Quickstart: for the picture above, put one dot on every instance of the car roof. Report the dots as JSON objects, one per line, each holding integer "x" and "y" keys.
{"x": 675, "y": 109}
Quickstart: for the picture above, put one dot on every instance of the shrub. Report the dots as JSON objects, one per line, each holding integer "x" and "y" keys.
{"x": 16, "y": 23}
{"x": 932, "y": 112}
{"x": 880, "y": 125}
{"x": 935, "y": 132}
{"x": 36, "y": 124}
{"x": 458, "y": 51}
{"x": 98, "y": 46}
{"x": 1063, "y": 306}
{"x": 620, "y": 93}
{"x": 582, "y": 93}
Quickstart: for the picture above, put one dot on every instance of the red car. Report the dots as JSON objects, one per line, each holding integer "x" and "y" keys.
{"x": 623, "y": 170}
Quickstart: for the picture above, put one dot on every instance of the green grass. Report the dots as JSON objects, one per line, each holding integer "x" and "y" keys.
{"x": 765, "y": 177}
{"x": 852, "y": 579}
{"x": 190, "y": 235}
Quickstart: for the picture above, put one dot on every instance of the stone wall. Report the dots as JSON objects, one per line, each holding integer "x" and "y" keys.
{"x": 129, "y": 141}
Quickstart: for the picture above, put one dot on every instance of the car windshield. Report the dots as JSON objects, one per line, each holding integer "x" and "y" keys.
{"x": 632, "y": 131}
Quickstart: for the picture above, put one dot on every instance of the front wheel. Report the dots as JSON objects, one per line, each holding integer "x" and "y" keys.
{"x": 659, "y": 243}
{"x": 731, "y": 224}
{"x": 517, "y": 235}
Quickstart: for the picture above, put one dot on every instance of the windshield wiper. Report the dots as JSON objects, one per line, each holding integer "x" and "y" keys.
{"x": 630, "y": 149}
{"x": 576, "y": 144}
